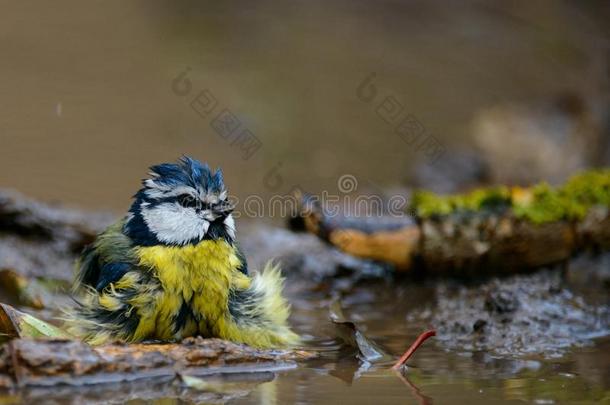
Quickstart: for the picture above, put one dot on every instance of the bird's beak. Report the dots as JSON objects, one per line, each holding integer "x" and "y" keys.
{"x": 225, "y": 210}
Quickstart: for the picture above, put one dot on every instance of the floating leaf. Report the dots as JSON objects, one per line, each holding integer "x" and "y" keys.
{"x": 352, "y": 336}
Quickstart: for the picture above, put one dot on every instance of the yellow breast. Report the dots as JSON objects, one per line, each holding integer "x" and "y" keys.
{"x": 198, "y": 275}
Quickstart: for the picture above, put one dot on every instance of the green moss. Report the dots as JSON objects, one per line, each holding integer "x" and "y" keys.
{"x": 428, "y": 204}
{"x": 539, "y": 204}
{"x": 545, "y": 205}
{"x": 590, "y": 188}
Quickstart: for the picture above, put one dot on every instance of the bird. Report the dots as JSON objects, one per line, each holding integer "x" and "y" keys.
{"x": 172, "y": 268}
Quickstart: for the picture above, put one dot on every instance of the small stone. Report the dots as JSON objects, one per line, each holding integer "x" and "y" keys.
{"x": 501, "y": 302}
{"x": 479, "y": 325}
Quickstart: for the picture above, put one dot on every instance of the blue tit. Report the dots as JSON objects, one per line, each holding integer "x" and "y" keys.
{"x": 171, "y": 268}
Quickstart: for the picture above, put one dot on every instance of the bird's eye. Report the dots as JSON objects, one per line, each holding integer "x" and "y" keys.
{"x": 187, "y": 200}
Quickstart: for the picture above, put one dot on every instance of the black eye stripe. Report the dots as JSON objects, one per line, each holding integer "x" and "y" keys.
{"x": 187, "y": 200}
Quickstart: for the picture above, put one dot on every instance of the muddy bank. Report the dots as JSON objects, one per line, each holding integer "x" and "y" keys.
{"x": 542, "y": 314}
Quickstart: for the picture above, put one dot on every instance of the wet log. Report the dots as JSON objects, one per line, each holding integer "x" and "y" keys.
{"x": 48, "y": 362}
{"x": 497, "y": 229}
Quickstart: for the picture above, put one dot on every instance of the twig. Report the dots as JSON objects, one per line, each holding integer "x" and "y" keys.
{"x": 421, "y": 339}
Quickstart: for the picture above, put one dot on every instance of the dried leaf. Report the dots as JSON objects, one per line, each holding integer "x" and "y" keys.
{"x": 17, "y": 324}
{"x": 352, "y": 336}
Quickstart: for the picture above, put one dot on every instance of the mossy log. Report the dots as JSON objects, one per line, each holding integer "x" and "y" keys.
{"x": 497, "y": 229}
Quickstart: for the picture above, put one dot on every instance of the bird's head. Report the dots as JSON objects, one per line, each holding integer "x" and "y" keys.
{"x": 181, "y": 203}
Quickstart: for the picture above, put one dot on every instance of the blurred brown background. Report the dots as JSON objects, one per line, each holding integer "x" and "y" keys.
{"x": 86, "y": 100}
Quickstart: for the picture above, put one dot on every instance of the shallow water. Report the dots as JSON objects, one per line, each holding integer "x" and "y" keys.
{"x": 86, "y": 109}
{"x": 434, "y": 375}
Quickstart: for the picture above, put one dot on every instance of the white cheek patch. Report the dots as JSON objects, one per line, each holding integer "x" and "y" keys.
{"x": 230, "y": 225}
{"x": 172, "y": 223}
